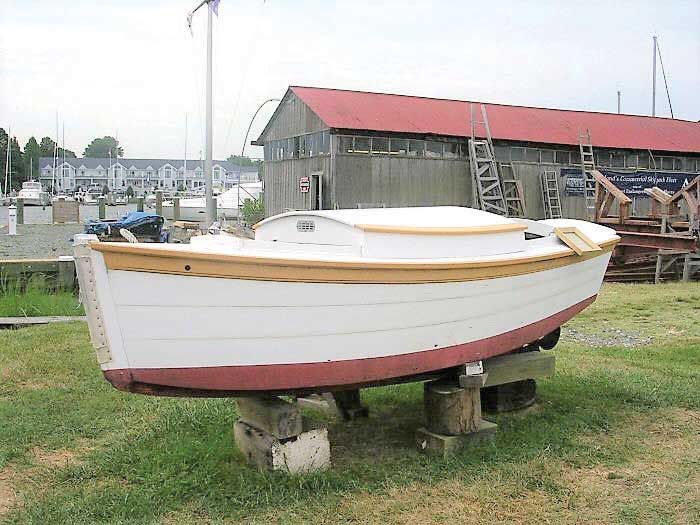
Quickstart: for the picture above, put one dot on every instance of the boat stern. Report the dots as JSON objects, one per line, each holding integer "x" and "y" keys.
{"x": 96, "y": 297}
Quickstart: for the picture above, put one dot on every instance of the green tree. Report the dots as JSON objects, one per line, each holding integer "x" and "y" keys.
{"x": 253, "y": 210}
{"x": 243, "y": 161}
{"x": 17, "y": 163}
{"x": 129, "y": 192}
{"x": 101, "y": 147}
{"x": 46, "y": 148}
{"x": 31, "y": 158}
{"x": 105, "y": 189}
{"x": 3, "y": 155}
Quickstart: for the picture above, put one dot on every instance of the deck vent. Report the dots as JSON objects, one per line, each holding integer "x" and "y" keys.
{"x": 306, "y": 226}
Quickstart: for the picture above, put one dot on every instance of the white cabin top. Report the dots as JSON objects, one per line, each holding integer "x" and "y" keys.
{"x": 436, "y": 232}
{"x": 31, "y": 185}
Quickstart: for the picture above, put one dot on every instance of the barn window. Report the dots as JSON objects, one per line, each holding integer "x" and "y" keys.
{"x": 451, "y": 150}
{"x": 398, "y": 147}
{"x": 361, "y": 145}
{"x": 380, "y": 145}
{"x": 433, "y": 149}
{"x": 618, "y": 160}
{"x": 643, "y": 160}
{"x": 532, "y": 155}
{"x": 546, "y": 156}
{"x": 346, "y": 145}
{"x": 631, "y": 161}
{"x": 324, "y": 145}
{"x": 677, "y": 164}
{"x": 602, "y": 158}
{"x": 502, "y": 153}
{"x": 562, "y": 157}
{"x": 666, "y": 163}
{"x": 416, "y": 148}
{"x": 517, "y": 154}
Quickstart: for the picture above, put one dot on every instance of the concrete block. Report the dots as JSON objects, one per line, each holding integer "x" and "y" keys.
{"x": 441, "y": 445}
{"x": 271, "y": 414}
{"x": 308, "y": 452}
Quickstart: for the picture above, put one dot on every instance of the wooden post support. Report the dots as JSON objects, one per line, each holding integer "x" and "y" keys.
{"x": 101, "y": 213}
{"x": 271, "y": 414}
{"x": 349, "y": 404}
{"x": 451, "y": 409}
{"x": 159, "y": 202}
{"x": 271, "y": 437}
{"x": 65, "y": 279}
{"x": 453, "y": 416}
{"x": 139, "y": 204}
{"x": 176, "y": 208}
{"x": 308, "y": 452}
{"x": 20, "y": 211}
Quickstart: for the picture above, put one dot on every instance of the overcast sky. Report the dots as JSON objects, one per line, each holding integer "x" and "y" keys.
{"x": 132, "y": 68}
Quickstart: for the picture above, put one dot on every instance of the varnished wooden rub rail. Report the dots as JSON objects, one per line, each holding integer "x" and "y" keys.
{"x": 120, "y": 256}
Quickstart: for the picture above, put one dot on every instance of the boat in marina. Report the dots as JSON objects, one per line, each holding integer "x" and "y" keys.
{"x": 33, "y": 194}
{"x": 92, "y": 194}
{"x": 227, "y": 203}
{"x": 324, "y": 300}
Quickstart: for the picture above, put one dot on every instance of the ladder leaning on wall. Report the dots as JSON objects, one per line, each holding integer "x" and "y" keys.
{"x": 512, "y": 190}
{"x": 550, "y": 195}
{"x": 488, "y": 194}
{"x": 587, "y": 167}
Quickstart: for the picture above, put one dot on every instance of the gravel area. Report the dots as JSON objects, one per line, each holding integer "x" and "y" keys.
{"x": 607, "y": 337}
{"x": 38, "y": 239}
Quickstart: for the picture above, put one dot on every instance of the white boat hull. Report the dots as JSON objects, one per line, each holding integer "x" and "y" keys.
{"x": 223, "y": 336}
{"x": 198, "y": 213}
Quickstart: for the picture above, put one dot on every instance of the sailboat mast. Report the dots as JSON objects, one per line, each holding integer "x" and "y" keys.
{"x": 209, "y": 146}
{"x": 184, "y": 163}
{"x": 7, "y": 161}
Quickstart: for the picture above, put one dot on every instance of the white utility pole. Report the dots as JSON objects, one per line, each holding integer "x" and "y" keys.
{"x": 653, "y": 83}
{"x": 618, "y": 101}
{"x": 184, "y": 163}
{"x": 209, "y": 148}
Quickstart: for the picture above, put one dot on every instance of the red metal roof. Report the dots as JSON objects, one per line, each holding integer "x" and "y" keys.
{"x": 360, "y": 110}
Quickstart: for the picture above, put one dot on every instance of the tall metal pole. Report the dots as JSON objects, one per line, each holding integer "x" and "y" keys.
{"x": 618, "y": 101}
{"x": 653, "y": 83}
{"x": 209, "y": 148}
{"x": 184, "y": 164}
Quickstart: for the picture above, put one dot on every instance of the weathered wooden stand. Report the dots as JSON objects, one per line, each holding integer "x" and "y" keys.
{"x": 270, "y": 435}
{"x": 453, "y": 404}
{"x": 345, "y": 404}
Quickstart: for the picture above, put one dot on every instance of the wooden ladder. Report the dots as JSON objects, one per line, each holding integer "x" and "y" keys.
{"x": 512, "y": 190}
{"x": 485, "y": 177}
{"x": 550, "y": 195}
{"x": 587, "y": 167}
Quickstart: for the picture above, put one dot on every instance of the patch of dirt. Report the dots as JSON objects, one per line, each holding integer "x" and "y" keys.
{"x": 662, "y": 479}
{"x": 607, "y": 337}
{"x": 8, "y": 497}
{"x": 61, "y": 457}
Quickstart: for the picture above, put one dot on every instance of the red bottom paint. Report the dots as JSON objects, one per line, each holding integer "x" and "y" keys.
{"x": 219, "y": 381}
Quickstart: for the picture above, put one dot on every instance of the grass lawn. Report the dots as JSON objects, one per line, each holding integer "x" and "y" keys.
{"x": 613, "y": 438}
{"x": 38, "y": 303}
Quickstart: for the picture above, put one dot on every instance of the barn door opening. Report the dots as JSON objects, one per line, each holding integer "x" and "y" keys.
{"x": 317, "y": 190}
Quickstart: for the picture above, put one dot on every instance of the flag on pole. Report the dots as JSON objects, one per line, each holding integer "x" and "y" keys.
{"x": 214, "y": 6}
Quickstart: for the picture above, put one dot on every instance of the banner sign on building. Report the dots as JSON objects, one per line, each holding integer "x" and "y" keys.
{"x": 632, "y": 184}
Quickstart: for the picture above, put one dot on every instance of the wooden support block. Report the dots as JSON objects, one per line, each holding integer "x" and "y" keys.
{"x": 349, "y": 404}
{"x": 509, "y": 396}
{"x": 451, "y": 409}
{"x": 477, "y": 380}
{"x": 308, "y": 452}
{"x": 271, "y": 414}
{"x": 444, "y": 446}
{"x": 517, "y": 367}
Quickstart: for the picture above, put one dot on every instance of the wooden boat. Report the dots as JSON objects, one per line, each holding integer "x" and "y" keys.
{"x": 332, "y": 299}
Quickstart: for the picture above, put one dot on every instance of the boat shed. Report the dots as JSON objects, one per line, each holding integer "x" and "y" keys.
{"x": 331, "y": 148}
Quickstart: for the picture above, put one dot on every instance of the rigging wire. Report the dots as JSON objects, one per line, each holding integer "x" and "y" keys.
{"x": 663, "y": 71}
{"x": 244, "y": 75}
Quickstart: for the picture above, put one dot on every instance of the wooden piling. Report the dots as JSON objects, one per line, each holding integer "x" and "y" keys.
{"x": 176, "y": 208}
{"x": 101, "y": 213}
{"x": 20, "y": 211}
{"x": 159, "y": 202}
{"x": 139, "y": 204}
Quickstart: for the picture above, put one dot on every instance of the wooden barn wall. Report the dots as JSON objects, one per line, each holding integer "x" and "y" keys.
{"x": 401, "y": 181}
{"x": 294, "y": 118}
{"x": 282, "y": 184}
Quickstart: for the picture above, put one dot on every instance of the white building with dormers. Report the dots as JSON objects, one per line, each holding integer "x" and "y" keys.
{"x": 142, "y": 175}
